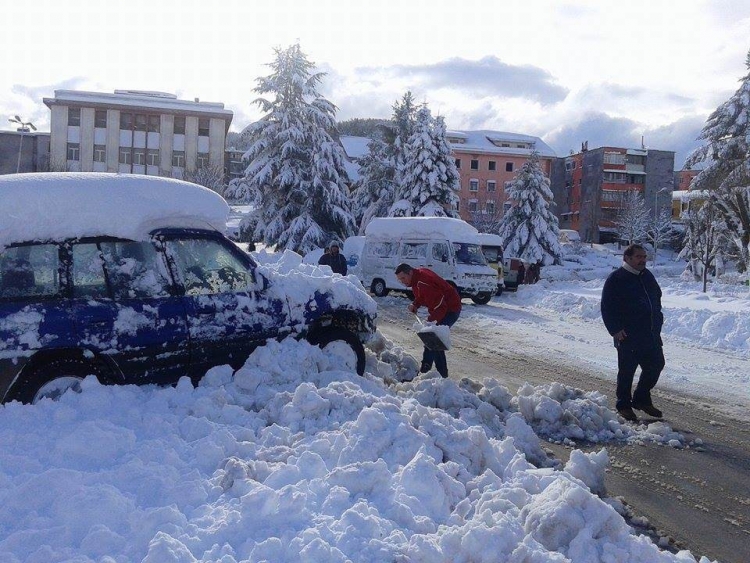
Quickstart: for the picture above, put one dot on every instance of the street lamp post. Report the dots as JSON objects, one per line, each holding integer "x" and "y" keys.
{"x": 656, "y": 201}
{"x": 24, "y": 127}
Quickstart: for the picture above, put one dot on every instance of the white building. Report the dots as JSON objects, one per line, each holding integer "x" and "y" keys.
{"x": 135, "y": 132}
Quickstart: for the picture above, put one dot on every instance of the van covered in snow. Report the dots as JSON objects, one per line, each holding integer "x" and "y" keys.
{"x": 449, "y": 247}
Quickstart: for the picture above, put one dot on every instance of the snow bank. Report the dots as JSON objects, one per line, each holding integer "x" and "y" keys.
{"x": 291, "y": 459}
{"x": 55, "y": 206}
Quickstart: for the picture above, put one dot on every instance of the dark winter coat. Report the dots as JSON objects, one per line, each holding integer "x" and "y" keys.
{"x": 433, "y": 292}
{"x": 337, "y": 262}
{"x": 633, "y": 302}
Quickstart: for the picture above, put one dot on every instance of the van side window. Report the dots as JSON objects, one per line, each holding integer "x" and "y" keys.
{"x": 414, "y": 250}
{"x": 207, "y": 267}
{"x": 134, "y": 270}
{"x": 440, "y": 252}
{"x": 29, "y": 271}
{"x": 383, "y": 249}
{"x": 88, "y": 271}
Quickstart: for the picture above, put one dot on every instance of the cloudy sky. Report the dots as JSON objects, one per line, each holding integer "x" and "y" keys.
{"x": 610, "y": 73}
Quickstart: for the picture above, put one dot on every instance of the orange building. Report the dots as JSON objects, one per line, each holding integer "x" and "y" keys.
{"x": 487, "y": 161}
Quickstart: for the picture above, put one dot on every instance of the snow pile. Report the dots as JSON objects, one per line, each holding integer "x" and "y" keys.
{"x": 56, "y": 206}
{"x": 298, "y": 282}
{"x": 293, "y": 460}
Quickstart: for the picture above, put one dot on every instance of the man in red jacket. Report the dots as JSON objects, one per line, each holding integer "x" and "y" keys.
{"x": 443, "y": 305}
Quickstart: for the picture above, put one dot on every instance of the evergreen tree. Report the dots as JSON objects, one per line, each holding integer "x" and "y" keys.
{"x": 296, "y": 172}
{"x": 373, "y": 192}
{"x": 726, "y": 155}
{"x": 529, "y": 228}
{"x": 428, "y": 179}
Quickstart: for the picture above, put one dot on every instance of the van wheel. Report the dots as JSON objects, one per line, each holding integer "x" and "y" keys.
{"x": 482, "y": 298}
{"x": 379, "y": 288}
{"x": 51, "y": 379}
{"x": 344, "y": 344}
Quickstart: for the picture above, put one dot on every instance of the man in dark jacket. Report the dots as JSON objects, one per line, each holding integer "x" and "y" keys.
{"x": 631, "y": 310}
{"x": 334, "y": 259}
{"x": 443, "y": 306}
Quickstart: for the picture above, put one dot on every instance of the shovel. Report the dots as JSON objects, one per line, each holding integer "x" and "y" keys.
{"x": 431, "y": 338}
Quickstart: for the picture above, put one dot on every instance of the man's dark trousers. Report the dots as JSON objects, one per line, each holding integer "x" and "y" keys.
{"x": 438, "y": 356}
{"x": 651, "y": 361}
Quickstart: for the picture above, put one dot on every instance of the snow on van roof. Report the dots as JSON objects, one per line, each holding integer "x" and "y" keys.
{"x": 400, "y": 227}
{"x": 56, "y": 206}
{"x": 490, "y": 239}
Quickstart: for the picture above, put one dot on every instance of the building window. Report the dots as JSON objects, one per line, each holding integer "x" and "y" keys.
{"x": 178, "y": 159}
{"x": 458, "y": 163}
{"x": 126, "y": 121}
{"x": 153, "y": 123}
{"x": 100, "y": 153}
{"x": 179, "y": 124}
{"x": 141, "y": 122}
{"x": 125, "y": 156}
{"x": 491, "y": 185}
{"x": 458, "y": 205}
{"x": 74, "y": 118}
{"x": 203, "y": 127}
{"x": 492, "y": 166}
{"x": 506, "y": 206}
{"x": 139, "y": 156}
{"x": 74, "y": 151}
{"x": 474, "y": 164}
{"x": 472, "y": 205}
{"x": 509, "y": 167}
{"x": 202, "y": 159}
{"x": 489, "y": 207}
{"x": 614, "y": 158}
{"x": 100, "y": 118}
{"x": 473, "y": 185}
{"x": 152, "y": 157}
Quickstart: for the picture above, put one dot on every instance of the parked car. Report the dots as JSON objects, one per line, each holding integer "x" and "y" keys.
{"x": 131, "y": 279}
{"x": 449, "y": 247}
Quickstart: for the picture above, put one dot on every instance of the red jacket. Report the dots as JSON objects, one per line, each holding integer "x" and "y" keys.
{"x": 433, "y": 292}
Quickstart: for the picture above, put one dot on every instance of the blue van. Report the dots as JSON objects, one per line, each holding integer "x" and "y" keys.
{"x": 144, "y": 309}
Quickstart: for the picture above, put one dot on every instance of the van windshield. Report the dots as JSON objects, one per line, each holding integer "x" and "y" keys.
{"x": 469, "y": 254}
{"x": 492, "y": 253}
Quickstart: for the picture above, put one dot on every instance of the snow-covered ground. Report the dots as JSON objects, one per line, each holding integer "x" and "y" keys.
{"x": 292, "y": 459}
{"x": 706, "y": 335}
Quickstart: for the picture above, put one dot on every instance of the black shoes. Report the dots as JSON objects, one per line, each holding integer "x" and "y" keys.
{"x": 628, "y": 414}
{"x": 425, "y": 367}
{"x": 650, "y": 410}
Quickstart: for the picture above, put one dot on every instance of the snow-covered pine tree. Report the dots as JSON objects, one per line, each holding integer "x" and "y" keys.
{"x": 726, "y": 155}
{"x": 428, "y": 179}
{"x": 632, "y": 221}
{"x": 529, "y": 229}
{"x": 373, "y": 192}
{"x": 296, "y": 172}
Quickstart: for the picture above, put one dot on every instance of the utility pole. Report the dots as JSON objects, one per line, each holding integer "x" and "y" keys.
{"x": 25, "y": 127}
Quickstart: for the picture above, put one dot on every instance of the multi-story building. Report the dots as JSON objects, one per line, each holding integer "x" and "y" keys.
{"x": 589, "y": 186}
{"x": 487, "y": 161}
{"x": 135, "y": 132}
{"x": 24, "y": 151}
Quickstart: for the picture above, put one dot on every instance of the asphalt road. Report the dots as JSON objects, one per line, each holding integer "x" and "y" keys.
{"x": 699, "y": 497}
